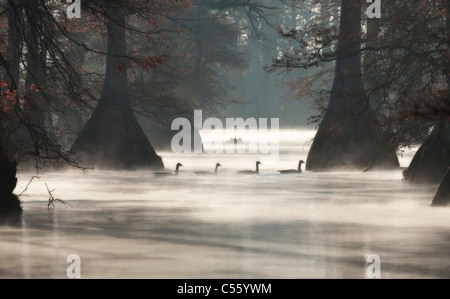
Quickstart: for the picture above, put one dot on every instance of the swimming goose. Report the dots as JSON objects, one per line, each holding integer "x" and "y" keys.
{"x": 251, "y": 171}
{"x": 208, "y": 172}
{"x": 168, "y": 173}
{"x": 299, "y": 170}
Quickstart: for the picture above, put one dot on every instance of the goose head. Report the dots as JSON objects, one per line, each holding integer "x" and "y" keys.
{"x": 300, "y": 165}
{"x": 217, "y": 167}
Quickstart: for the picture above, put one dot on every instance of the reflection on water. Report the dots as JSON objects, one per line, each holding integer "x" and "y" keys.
{"x": 310, "y": 225}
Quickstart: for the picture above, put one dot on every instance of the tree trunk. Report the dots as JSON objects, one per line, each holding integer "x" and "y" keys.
{"x": 14, "y": 40}
{"x": 113, "y": 138}
{"x": 37, "y": 133}
{"x": 9, "y": 203}
{"x": 347, "y": 136}
{"x": 372, "y": 76}
{"x": 442, "y": 197}
{"x": 36, "y": 75}
{"x": 448, "y": 45}
{"x": 432, "y": 160}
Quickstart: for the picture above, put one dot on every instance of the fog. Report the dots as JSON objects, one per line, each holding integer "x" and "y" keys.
{"x": 309, "y": 225}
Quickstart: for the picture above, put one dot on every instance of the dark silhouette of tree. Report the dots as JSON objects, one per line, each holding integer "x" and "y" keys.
{"x": 406, "y": 74}
{"x": 442, "y": 197}
{"x": 348, "y": 135}
{"x": 113, "y": 137}
{"x": 432, "y": 160}
{"x": 425, "y": 95}
{"x": 33, "y": 36}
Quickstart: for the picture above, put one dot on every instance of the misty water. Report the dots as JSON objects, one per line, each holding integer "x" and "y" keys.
{"x": 310, "y": 225}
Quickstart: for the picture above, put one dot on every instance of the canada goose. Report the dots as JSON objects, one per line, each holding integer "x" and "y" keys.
{"x": 299, "y": 170}
{"x": 251, "y": 171}
{"x": 208, "y": 172}
{"x": 168, "y": 173}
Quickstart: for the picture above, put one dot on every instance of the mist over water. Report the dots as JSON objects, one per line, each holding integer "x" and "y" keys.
{"x": 309, "y": 225}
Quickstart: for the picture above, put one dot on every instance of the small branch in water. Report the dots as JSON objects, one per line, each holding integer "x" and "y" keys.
{"x": 52, "y": 199}
{"x": 370, "y": 167}
{"x": 28, "y": 185}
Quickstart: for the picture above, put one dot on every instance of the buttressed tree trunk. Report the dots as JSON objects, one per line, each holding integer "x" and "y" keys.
{"x": 432, "y": 160}
{"x": 9, "y": 203}
{"x": 113, "y": 138}
{"x": 442, "y": 197}
{"x": 347, "y": 136}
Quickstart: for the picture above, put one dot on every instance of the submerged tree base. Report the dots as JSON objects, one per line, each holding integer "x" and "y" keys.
{"x": 349, "y": 136}
{"x": 10, "y": 206}
{"x": 351, "y": 150}
{"x": 442, "y": 197}
{"x": 431, "y": 162}
{"x": 10, "y": 209}
{"x": 114, "y": 139}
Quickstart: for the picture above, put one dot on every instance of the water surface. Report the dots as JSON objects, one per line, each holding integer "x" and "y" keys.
{"x": 310, "y": 225}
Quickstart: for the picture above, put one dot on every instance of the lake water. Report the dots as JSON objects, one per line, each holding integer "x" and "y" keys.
{"x": 310, "y": 225}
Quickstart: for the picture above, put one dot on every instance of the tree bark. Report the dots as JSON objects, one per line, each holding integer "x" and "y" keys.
{"x": 14, "y": 39}
{"x": 348, "y": 135}
{"x": 442, "y": 197}
{"x": 372, "y": 76}
{"x": 9, "y": 203}
{"x": 448, "y": 44}
{"x": 36, "y": 59}
{"x": 113, "y": 138}
{"x": 432, "y": 160}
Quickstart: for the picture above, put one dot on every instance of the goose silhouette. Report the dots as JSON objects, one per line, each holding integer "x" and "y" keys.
{"x": 208, "y": 172}
{"x": 299, "y": 170}
{"x": 251, "y": 171}
{"x": 168, "y": 173}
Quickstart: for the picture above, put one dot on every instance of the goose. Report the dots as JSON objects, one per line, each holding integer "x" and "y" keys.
{"x": 251, "y": 171}
{"x": 299, "y": 170}
{"x": 168, "y": 173}
{"x": 208, "y": 172}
